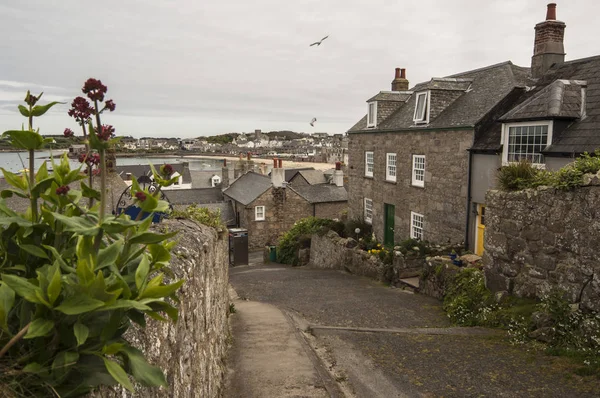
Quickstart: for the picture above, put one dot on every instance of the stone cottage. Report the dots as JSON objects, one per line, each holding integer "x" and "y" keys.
{"x": 422, "y": 159}
{"x": 268, "y": 207}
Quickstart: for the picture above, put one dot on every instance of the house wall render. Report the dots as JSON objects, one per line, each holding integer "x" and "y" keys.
{"x": 539, "y": 239}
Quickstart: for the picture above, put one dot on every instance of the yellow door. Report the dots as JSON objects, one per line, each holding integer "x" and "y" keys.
{"x": 480, "y": 229}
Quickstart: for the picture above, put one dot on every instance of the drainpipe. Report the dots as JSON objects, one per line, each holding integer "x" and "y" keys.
{"x": 469, "y": 194}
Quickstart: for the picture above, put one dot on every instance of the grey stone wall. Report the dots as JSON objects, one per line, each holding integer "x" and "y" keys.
{"x": 440, "y": 100}
{"x": 443, "y": 199}
{"x": 386, "y": 108}
{"x": 539, "y": 239}
{"x": 330, "y": 210}
{"x": 191, "y": 352}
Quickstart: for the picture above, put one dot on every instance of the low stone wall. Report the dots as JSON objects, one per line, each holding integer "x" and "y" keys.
{"x": 333, "y": 252}
{"x": 539, "y": 239}
{"x": 191, "y": 352}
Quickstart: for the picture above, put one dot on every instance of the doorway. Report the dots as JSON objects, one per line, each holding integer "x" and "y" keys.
{"x": 480, "y": 229}
{"x": 388, "y": 228}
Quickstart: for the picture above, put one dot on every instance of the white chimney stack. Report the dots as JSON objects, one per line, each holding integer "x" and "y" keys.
{"x": 277, "y": 174}
{"x": 338, "y": 175}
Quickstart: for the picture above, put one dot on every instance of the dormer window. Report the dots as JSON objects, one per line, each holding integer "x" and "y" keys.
{"x": 421, "y": 108}
{"x": 525, "y": 141}
{"x": 372, "y": 114}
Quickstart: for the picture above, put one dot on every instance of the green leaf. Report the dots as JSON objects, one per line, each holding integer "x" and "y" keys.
{"x": 8, "y": 193}
{"x": 142, "y": 271}
{"x": 147, "y": 238}
{"x": 42, "y": 172}
{"x": 55, "y": 285}
{"x": 81, "y": 333}
{"x": 142, "y": 371}
{"x": 7, "y": 300}
{"x": 59, "y": 259}
{"x": 78, "y": 225}
{"x": 63, "y": 363}
{"x": 159, "y": 253}
{"x": 22, "y": 287}
{"x": 109, "y": 255}
{"x": 138, "y": 317}
{"x": 18, "y": 181}
{"x": 39, "y": 110}
{"x": 42, "y": 186}
{"x": 34, "y": 251}
{"x": 125, "y": 304}
{"x": 149, "y": 204}
{"x": 78, "y": 304}
{"x": 171, "y": 311}
{"x": 89, "y": 192}
{"x": 117, "y": 372}
{"x": 24, "y": 111}
{"x": 113, "y": 348}
{"x": 161, "y": 291}
{"x": 33, "y": 367}
{"x": 25, "y": 139}
{"x": 39, "y": 328}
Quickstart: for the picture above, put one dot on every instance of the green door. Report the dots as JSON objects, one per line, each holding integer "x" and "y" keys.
{"x": 388, "y": 233}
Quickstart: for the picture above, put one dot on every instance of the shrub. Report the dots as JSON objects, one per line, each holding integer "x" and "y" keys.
{"x": 366, "y": 230}
{"x": 203, "y": 215}
{"x": 467, "y": 300}
{"x": 517, "y": 176}
{"x": 411, "y": 244}
{"x": 296, "y": 237}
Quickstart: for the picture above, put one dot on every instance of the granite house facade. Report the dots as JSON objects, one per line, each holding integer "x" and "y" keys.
{"x": 421, "y": 160}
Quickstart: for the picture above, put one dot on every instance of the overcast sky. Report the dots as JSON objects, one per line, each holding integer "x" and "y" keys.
{"x": 190, "y": 68}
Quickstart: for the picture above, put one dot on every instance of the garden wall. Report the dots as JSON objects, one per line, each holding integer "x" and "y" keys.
{"x": 191, "y": 353}
{"x": 333, "y": 252}
{"x": 539, "y": 239}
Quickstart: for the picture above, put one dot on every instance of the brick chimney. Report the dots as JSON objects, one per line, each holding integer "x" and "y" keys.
{"x": 277, "y": 174}
{"x": 548, "y": 47}
{"x": 338, "y": 175}
{"x": 400, "y": 83}
{"x": 224, "y": 175}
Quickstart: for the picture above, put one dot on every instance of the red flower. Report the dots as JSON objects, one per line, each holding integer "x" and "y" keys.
{"x": 62, "y": 190}
{"x": 80, "y": 110}
{"x": 110, "y": 105}
{"x": 94, "y": 89}
{"x": 82, "y": 157}
{"x": 68, "y": 133}
{"x": 106, "y": 133}
{"x": 166, "y": 170}
{"x": 140, "y": 196}
{"x": 97, "y": 172}
{"x": 31, "y": 99}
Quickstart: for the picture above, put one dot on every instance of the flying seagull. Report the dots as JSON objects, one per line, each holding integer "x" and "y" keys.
{"x": 312, "y": 122}
{"x": 318, "y": 43}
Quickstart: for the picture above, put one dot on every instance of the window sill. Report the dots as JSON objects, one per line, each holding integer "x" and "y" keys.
{"x": 391, "y": 182}
{"x": 417, "y": 186}
{"x": 260, "y": 220}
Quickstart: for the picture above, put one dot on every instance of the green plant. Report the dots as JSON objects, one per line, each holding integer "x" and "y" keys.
{"x": 73, "y": 279}
{"x": 467, "y": 301}
{"x": 203, "y": 215}
{"x": 232, "y": 309}
{"x": 295, "y": 238}
{"x": 517, "y": 176}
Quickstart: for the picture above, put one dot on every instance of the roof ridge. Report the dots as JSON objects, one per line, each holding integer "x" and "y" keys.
{"x": 574, "y": 61}
{"x": 483, "y": 68}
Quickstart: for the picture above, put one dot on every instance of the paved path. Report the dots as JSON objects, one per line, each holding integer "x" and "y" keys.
{"x": 377, "y": 341}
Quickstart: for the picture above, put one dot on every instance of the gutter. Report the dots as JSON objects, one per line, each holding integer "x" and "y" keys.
{"x": 468, "y": 218}
{"x": 411, "y": 130}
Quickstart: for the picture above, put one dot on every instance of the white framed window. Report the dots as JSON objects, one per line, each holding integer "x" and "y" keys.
{"x": 368, "y": 210}
{"x": 372, "y": 114}
{"x": 418, "y": 170}
{"x": 390, "y": 167}
{"x": 525, "y": 141}
{"x": 416, "y": 225}
{"x": 421, "y": 114}
{"x": 369, "y": 163}
{"x": 259, "y": 213}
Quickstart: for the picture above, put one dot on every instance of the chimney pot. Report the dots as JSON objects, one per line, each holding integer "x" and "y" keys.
{"x": 338, "y": 165}
{"x": 397, "y": 73}
{"x": 248, "y": 156}
{"x": 224, "y": 162}
{"x": 280, "y": 161}
{"x": 274, "y": 163}
{"x": 403, "y": 73}
{"x": 551, "y": 12}
{"x": 400, "y": 83}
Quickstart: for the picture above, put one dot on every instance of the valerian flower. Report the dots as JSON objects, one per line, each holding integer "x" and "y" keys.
{"x": 94, "y": 89}
{"x": 31, "y": 99}
{"x": 106, "y": 133}
{"x": 166, "y": 170}
{"x": 63, "y": 190}
{"x": 81, "y": 110}
{"x": 110, "y": 105}
{"x": 68, "y": 133}
{"x": 141, "y": 196}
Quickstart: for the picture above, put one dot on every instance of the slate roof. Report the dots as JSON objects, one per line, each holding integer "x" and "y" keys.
{"x": 313, "y": 177}
{"x": 488, "y": 87}
{"x": 394, "y": 96}
{"x": 139, "y": 170}
{"x": 322, "y": 193}
{"x": 560, "y": 99}
{"x": 290, "y": 173}
{"x": 227, "y": 214}
{"x": 194, "y": 195}
{"x": 248, "y": 187}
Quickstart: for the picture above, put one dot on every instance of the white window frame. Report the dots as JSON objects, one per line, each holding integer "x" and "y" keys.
{"x": 256, "y": 216}
{"x": 418, "y": 179}
{"x": 388, "y": 175}
{"x": 505, "y": 137}
{"x": 372, "y": 116}
{"x": 368, "y": 204}
{"x": 372, "y": 163}
{"x": 415, "y": 229}
{"x": 424, "y": 117}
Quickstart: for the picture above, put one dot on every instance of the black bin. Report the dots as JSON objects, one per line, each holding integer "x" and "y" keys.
{"x": 238, "y": 246}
